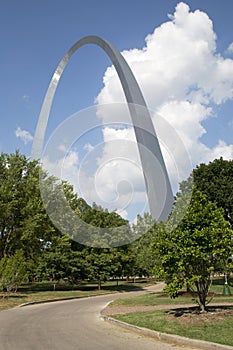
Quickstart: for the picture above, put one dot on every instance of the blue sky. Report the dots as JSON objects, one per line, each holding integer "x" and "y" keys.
{"x": 35, "y": 35}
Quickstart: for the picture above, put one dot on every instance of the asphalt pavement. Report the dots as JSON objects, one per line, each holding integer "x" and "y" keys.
{"x": 69, "y": 325}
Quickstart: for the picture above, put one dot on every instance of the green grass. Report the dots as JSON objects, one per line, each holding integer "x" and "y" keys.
{"x": 218, "y": 283}
{"x": 154, "y": 299}
{"x": 151, "y": 299}
{"x": 44, "y": 290}
{"x": 213, "y": 331}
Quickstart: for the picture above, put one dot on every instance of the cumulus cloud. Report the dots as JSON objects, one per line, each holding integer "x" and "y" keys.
{"x": 123, "y": 213}
{"x": 178, "y": 62}
{"x": 62, "y": 148}
{"x": 230, "y": 49}
{"x": 180, "y": 73}
{"x": 23, "y": 135}
{"x": 65, "y": 168}
{"x": 183, "y": 79}
{"x": 88, "y": 147}
{"x": 226, "y": 151}
{"x": 117, "y": 179}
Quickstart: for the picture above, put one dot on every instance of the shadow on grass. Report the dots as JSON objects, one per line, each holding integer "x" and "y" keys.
{"x": 31, "y": 288}
{"x": 13, "y": 296}
{"x": 221, "y": 280}
{"x": 195, "y": 310}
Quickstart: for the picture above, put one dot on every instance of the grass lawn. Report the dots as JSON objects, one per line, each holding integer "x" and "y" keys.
{"x": 218, "y": 331}
{"x": 214, "y": 326}
{"x": 154, "y": 299}
{"x": 162, "y": 299}
{"x": 44, "y": 290}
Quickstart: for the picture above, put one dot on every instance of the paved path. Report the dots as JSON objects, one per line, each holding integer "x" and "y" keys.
{"x": 69, "y": 325}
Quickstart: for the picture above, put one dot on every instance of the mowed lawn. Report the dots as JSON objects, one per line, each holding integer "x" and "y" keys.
{"x": 219, "y": 331}
{"x": 33, "y": 292}
{"x": 215, "y": 326}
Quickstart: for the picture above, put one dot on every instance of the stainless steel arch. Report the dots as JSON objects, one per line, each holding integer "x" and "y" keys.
{"x": 158, "y": 186}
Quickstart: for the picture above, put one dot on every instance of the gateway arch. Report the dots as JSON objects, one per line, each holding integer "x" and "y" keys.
{"x": 158, "y": 186}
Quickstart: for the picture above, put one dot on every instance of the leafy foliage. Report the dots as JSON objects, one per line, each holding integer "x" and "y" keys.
{"x": 142, "y": 256}
{"x": 185, "y": 251}
{"x": 59, "y": 261}
{"x": 13, "y": 271}
{"x": 23, "y": 221}
{"x": 193, "y": 250}
{"x": 215, "y": 180}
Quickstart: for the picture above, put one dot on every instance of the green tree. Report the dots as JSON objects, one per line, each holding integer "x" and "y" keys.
{"x": 23, "y": 221}
{"x": 99, "y": 264}
{"x": 13, "y": 271}
{"x": 105, "y": 229}
{"x": 215, "y": 180}
{"x": 143, "y": 260}
{"x": 192, "y": 251}
{"x": 59, "y": 261}
{"x": 105, "y": 260}
{"x": 25, "y": 225}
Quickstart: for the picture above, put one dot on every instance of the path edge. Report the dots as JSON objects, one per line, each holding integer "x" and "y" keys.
{"x": 168, "y": 338}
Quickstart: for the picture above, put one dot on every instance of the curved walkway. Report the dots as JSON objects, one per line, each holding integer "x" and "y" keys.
{"x": 77, "y": 325}
{"x": 71, "y": 325}
{"x": 168, "y": 338}
{"x": 113, "y": 310}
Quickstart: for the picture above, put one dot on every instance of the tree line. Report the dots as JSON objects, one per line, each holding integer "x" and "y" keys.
{"x": 185, "y": 250}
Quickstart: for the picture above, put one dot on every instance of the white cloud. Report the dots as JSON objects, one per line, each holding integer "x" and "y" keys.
{"x": 65, "y": 168}
{"x": 62, "y": 148}
{"x": 123, "y": 213}
{"x": 88, "y": 147}
{"x": 117, "y": 181}
{"x": 23, "y": 135}
{"x": 182, "y": 77}
{"x": 186, "y": 117}
{"x": 226, "y": 151}
{"x": 230, "y": 49}
{"x": 179, "y": 61}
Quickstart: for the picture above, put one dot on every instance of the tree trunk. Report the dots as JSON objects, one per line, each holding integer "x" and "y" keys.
{"x": 99, "y": 284}
{"x": 202, "y": 291}
{"x": 202, "y": 308}
{"x": 54, "y": 283}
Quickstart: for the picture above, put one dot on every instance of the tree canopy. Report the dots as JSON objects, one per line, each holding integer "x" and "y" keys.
{"x": 26, "y": 229}
{"x": 215, "y": 180}
{"x": 193, "y": 250}
{"x": 195, "y": 241}
{"x": 23, "y": 221}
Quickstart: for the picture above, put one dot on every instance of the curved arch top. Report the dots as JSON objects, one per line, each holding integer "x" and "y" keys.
{"x": 159, "y": 191}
